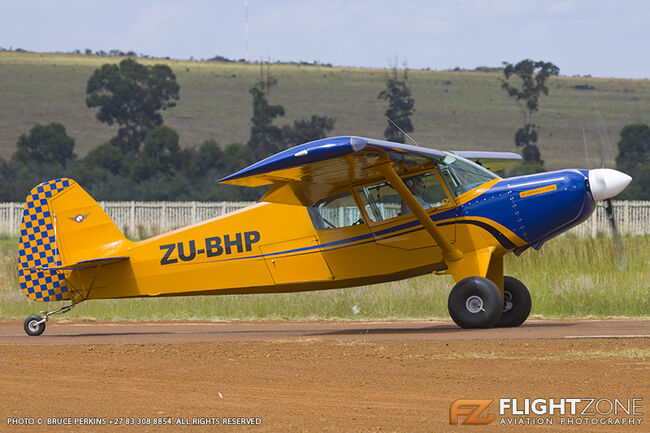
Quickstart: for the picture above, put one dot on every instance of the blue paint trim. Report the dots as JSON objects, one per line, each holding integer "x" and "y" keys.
{"x": 369, "y": 238}
{"x": 537, "y": 217}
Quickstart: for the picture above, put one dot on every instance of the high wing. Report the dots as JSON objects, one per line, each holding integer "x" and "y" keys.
{"x": 493, "y": 161}
{"x": 306, "y": 173}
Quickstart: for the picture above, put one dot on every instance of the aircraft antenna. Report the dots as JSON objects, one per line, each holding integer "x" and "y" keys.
{"x": 604, "y": 136}
{"x": 584, "y": 140}
{"x": 401, "y": 130}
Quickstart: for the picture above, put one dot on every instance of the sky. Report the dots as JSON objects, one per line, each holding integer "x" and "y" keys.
{"x": 600, "y": 38}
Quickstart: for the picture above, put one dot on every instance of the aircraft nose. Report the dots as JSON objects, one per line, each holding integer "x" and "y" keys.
{"x": 606, "y": 183}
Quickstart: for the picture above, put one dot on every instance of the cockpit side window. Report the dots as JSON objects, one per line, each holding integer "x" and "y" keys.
{"x": 335, "y": 212}
{"x": 382, "y": 202}
{"x": 462, "y": 175}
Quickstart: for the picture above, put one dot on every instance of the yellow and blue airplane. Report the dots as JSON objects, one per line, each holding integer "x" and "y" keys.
{"x": 340, "y": 212}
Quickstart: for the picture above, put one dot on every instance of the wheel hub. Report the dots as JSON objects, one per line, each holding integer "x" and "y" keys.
{"x": 507, "y": 301}
{"x": 33, "y": 325}
{"x": 474, "y": 304}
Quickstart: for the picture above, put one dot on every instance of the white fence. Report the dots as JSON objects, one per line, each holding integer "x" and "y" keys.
{"x": 632, "y": 219}
{"x": 142, "y": 219}
{"x": 137, "y": 219}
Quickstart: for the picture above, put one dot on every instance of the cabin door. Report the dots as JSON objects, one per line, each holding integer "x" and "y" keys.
{"x": 296, "y": 261}
{"x": 393, "y": 224}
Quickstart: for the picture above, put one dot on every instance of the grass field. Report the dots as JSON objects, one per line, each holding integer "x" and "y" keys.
{"x": 454, "y": 110}
{"x": 567, "y": 278}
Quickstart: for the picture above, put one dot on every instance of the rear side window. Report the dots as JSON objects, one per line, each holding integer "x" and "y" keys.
{"x": 335, "y": 212}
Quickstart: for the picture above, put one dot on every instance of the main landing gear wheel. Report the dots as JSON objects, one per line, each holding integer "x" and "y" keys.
{"x": 34, "y": 325}
{"x": 516, "y": 303}
{"x": 475, "y": 302}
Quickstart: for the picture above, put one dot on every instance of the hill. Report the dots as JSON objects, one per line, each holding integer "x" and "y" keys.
{"x": 454, "y": 110}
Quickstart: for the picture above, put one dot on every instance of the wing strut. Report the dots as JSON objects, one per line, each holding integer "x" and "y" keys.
{"x": 449, "y": 253}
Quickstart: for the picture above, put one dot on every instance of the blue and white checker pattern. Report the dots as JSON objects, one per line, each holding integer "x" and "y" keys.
{"x": 37, "y": 248}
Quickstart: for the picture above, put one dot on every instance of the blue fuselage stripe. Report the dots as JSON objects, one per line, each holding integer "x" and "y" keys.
{"x": 373, "y": 237}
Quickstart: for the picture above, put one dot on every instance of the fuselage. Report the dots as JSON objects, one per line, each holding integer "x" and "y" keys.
{"x": 277, "y": 247}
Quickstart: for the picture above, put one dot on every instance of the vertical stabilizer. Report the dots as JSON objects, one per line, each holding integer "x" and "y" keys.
{"x": 61, "y": 225}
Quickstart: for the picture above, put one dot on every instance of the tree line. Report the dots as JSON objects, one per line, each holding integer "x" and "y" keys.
{"x": 144, "y": 161}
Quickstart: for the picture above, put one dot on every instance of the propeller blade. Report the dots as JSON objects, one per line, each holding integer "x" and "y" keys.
{"x": 609, "y": 210}
{"x": 619, "y": 248}
{"x": 605, "y": 184}
{"x": 604, "y": 136}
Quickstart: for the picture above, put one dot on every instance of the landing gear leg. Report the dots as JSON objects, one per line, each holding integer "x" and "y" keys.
{"x": 35, "y": 324}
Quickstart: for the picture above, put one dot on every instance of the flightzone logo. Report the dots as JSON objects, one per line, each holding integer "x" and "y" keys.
{"x": 472, "y": 410}
{"x": 547, "y": 411}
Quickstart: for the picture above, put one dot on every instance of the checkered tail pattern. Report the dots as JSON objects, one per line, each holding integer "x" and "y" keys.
{"x": 37, "y": 249}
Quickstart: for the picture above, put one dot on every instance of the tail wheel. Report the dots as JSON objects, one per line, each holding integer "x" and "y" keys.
{"x": 34, "y": 325}
{"x": 475, "y": 302}
{"x": 517, "y": 303}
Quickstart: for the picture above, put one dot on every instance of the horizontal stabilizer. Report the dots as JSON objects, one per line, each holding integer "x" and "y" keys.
{"x": 80, "y": 266}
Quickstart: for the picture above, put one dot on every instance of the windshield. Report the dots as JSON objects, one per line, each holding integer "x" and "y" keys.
{"x": 461, "y": 175}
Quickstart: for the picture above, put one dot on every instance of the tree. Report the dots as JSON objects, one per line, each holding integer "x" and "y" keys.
{"x": 304, "y": 131}
{"x": 106, "y": 156}
{"x": 131, "y": 95}
{"x": 634, "y": 159}
{"x": 47, "y": 152}
{"x": 160, "y": 155}
{"x": 48, "y": 144}
{"x": 203, "y": 161}
{"x": 400, "y": 106}
{"x": 265, "y": 138}
{"x": 533, "y": 76}
{"x": 633, "y": 147}
{"x": 236, "y": 156}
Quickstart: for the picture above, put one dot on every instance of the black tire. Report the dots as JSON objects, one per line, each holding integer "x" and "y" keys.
{"x": 475, "y": 302}
{"x": 31, "y": 326}
{"x": 517, "y": 303}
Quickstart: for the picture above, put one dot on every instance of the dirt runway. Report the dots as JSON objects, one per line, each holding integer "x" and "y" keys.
{"x": 319, "y": 376}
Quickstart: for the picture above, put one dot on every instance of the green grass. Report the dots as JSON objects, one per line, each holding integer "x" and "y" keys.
{"x": 454, "y": 110}
{"x": 567, "y": 278}
{"x": 580, "y": 278}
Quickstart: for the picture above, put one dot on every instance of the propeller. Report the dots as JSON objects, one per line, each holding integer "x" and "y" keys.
{"x": 607, "y": 183}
